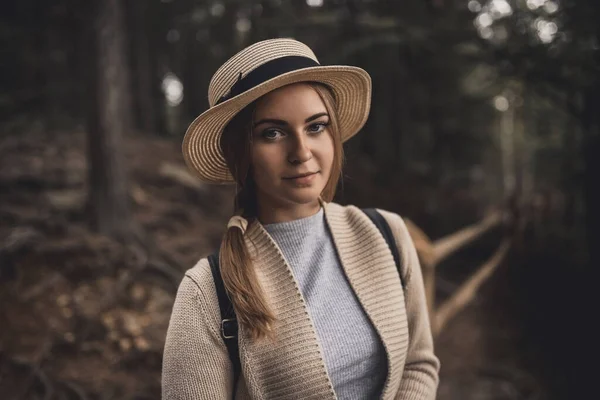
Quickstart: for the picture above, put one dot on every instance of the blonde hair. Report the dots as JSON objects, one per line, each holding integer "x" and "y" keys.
{"x": 239, "y": 276}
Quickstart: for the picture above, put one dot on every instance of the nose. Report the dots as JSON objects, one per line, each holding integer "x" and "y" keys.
{"x": 300, "y": 151}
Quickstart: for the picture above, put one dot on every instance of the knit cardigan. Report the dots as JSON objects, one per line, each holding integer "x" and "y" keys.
{"x": 196, "y": 364}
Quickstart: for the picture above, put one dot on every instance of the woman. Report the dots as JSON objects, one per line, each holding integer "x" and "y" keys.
{"x": 320, "y": 305}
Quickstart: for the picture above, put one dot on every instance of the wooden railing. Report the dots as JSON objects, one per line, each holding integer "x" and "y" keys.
{"x": 432, "y": 253}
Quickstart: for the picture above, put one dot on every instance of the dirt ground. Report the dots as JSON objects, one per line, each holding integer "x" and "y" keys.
{"x": 84, "y": 316}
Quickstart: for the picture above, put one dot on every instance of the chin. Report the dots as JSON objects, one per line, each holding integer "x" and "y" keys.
{"x": 304, "y": 198}
{"x": 303, "y": 195}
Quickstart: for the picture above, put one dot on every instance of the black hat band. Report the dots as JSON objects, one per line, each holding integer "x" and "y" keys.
{"x": 266, "y": 71}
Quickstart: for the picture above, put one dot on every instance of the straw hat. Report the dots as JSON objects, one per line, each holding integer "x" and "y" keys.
{"x": 255, "y": 71}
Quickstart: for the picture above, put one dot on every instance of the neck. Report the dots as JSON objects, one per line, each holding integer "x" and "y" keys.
{"x": 269, "y": 214}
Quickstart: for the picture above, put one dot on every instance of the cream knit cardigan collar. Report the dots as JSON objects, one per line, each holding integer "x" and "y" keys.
{"x": 372, "y": 273}
{"x": 196, "y": 364}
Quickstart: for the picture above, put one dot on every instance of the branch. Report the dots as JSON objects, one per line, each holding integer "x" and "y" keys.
{"x": 447, "y": 245}
{"x": 465, "y": 294}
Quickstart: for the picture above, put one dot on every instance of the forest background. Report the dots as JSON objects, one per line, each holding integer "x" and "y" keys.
{"x": 478, "y": 105}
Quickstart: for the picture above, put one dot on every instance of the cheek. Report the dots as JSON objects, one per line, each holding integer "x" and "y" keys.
{"x": 265, "y": 162}
{"x": 326, "y": 153}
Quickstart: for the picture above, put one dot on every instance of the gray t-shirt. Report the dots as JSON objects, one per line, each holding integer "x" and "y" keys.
{"x": 353, "y": 352}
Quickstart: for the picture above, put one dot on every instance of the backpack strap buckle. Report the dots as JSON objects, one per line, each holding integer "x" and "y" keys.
{"x": 229, "y": 328}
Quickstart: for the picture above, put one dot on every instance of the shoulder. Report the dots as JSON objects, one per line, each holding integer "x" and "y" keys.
{"x": 402, "y": 237}
{"x": 197, "y": 297}
{"x": 407, "y": 233}
{"x": 196, "y": 281}
{"x": 197, "y": 286}
{"x": 353, "y": 213}
{"x": 200, "y": 274}
{"x": 396, "y": 223}
{"x": 348, "y": 213}
{"x": 201, "y": 280}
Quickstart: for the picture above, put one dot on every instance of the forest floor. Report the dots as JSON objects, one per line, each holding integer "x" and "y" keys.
{"x": 82, "y": 313}
{"x": 484, "y": 351}
{"x": 84, "y": 316}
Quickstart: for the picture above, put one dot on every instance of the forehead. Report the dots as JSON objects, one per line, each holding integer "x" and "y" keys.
{"x": 298, "y": 100}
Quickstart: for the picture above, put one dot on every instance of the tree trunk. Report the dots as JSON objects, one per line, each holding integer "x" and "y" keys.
{"x": 144, "y": 77}
{"x": 109, "y": 120}
{"x": 195, "y": 74}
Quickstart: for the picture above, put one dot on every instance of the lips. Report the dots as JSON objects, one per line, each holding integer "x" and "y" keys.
{"x": 301, "y": 175}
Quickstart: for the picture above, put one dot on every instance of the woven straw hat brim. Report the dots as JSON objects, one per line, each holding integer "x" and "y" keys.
{"x": 201, "y": 148}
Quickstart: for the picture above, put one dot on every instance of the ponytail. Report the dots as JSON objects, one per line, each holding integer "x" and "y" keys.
{"x": 242, "y": 283}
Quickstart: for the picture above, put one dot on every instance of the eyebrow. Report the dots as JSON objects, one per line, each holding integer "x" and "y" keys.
{"x": 281, "y": 122}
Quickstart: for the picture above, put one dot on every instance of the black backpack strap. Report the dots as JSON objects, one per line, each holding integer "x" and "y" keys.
{"x": 385, "y": 230}
{"x": 229, "y": 325}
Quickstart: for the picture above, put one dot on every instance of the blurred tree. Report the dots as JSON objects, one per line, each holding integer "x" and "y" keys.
{"x": 436, "y": 66}
{"x": 145, "y": 81}
{"x": 109, "y": 119}
{"x": 554, "y": 49}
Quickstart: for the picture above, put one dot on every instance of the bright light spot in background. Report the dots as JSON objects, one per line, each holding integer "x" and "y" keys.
{"x": 486, "y": 32}
{"x": 501, "y": 103}
{"x": 474, "y": 6}
{"x": 535, "y": 4}
{"x": 314, "y": 3}
{"x": 546, "y": 30}
{"x": 243, "y": 25}
{"x": 483, "y": 20}
{"x": 551, "y": 7}
{"x": 173, "y": 89}
{"x": 173, "y": 36}
{"x": 217, "y": 9}
{"x": 490, "y": 11}
{"x": 537, "y": 24}
{"x": 500, "y": 8}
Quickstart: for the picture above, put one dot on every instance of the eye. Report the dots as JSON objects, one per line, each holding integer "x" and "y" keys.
{"x": 317, "y": 127}
{"x": 271, "y": 134}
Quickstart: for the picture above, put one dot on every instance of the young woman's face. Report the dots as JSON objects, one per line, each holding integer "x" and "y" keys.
{"x": 292, "y": 149}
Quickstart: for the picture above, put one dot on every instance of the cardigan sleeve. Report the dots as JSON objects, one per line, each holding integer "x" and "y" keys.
{"x": 420, "y": 377}
{"x": 196, "y": 364}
